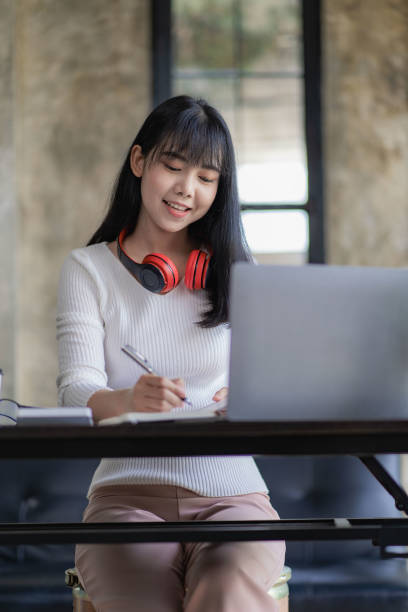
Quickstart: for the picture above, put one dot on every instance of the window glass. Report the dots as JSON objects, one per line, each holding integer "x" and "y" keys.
{"x": 276, "y": 231}
{"x": 245, "y": 58}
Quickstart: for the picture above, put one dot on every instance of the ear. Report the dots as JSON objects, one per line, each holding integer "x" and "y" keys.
{"x": 137, "y": 160}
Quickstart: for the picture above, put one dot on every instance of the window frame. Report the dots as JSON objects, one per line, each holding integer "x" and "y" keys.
{"x": 161, "y": 88}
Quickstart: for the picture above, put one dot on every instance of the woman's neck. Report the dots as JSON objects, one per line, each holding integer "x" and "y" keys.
{"x": 147, "y": 240}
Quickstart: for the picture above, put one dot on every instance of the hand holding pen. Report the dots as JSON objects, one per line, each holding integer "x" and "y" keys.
{"x": 155, "y": 393}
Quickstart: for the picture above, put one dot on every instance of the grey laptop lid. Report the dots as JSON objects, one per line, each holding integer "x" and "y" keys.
{"x": 318, "y": 342}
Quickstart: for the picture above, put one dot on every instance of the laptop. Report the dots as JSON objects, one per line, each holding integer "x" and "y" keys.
{"x": 318, "y": 342}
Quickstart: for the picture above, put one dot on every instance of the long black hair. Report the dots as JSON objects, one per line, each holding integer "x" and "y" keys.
{"x": 196, "y": 130}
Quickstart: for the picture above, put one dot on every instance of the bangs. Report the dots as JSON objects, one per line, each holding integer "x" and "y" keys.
{"x": 200, "y": 141}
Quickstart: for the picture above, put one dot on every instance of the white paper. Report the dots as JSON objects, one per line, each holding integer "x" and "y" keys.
{"x": 210, "y": 410}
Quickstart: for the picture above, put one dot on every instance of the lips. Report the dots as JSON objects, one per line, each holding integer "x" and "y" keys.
{"x": 176, "y": 209}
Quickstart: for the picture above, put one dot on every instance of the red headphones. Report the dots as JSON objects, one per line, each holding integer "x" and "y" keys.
{"x": 158, "y": 274}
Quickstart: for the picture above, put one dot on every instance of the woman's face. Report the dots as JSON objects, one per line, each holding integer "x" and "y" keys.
{"x": 174, "y": 193}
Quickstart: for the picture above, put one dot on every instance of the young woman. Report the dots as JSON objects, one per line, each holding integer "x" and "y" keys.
{"x": 155, "y": 275}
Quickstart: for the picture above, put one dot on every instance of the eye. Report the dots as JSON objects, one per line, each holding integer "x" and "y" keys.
{"x": 206, "y": 179}
{"x": 172, "y": 168}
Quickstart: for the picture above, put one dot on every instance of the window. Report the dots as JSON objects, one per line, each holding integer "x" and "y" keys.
{"x": 258, "y": 63}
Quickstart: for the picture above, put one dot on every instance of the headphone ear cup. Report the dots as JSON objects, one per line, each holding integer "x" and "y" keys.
{"x": 161, "y": 267}
{"x": 197, "y": 269}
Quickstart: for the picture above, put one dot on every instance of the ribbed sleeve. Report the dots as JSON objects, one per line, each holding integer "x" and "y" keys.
{"x": 80, "y": 335}
{"x": 101, "y": 307}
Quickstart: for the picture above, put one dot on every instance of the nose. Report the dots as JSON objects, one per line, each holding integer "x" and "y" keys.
{"x": 185, "y": 185}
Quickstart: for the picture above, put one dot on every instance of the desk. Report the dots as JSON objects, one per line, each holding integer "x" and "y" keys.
{"x": 201, "y": 437}
{"x": 197, "y": 437}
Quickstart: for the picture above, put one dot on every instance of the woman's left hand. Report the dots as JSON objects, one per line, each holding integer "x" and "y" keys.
{"x": 221, "y": 394}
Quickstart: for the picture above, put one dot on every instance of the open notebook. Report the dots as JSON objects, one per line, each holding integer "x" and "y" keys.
{"x": 215, "y": 409}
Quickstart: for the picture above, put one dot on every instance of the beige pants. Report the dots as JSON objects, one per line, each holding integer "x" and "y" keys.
{"x": 171, "y": 577}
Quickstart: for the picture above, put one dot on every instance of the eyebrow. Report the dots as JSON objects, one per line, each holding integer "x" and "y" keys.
{"x": 180, "y": 157}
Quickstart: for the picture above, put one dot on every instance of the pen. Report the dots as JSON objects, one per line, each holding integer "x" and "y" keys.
{"x": 143, "y": 362}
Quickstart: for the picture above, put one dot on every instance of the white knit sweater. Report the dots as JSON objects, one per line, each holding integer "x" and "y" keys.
{"x": 101, "y": 307}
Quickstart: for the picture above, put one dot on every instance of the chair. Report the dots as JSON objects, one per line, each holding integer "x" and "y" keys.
{"x": 336, "y": 575}
{"x": 82, "y": 603}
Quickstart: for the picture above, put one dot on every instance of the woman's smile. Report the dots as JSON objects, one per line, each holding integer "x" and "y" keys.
{"x": 176, "y": 209}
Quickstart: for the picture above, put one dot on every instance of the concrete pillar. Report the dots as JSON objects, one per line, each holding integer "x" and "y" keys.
{"x": 82, "y": 88}
{"x": 366, "y": 131}
{"x": 7, "y": 199}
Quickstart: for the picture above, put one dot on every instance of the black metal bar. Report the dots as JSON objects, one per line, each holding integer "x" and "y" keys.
{"x": 387, "y": 481}
{"x": 161, "y": 50}
{"x": 192, "y": 438}
{"x": 385, "y": 531}
{"x": 276, "y": 206}
{"x": 313, "y": 126}
{"x": 233, "y": 73}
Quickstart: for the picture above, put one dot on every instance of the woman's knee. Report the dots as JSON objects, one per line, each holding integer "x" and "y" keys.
{"x": 142, "y": 577}
{"x": 261, "y": 561}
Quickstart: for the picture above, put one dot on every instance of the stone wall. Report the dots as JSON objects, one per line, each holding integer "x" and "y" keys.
{"x": 365, "y": 97}
{"x": 7, "y": 199}
{"x": 81, "y": 88}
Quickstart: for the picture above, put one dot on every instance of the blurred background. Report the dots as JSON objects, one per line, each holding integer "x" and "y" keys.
{"x": 315, "y": 94}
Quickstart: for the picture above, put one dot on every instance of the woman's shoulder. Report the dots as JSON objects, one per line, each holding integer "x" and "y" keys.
{"x": 94, "y": 259}
{"x": 90, "y": 252}
{"x": 92, "y": 255}
{"x": 89, "y": 269}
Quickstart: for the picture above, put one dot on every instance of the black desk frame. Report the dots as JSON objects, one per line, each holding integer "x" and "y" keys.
{"x": 361, "y": 439}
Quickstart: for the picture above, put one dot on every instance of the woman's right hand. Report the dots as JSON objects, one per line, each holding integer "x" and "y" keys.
{"x": 151, "y": 393}
{"x": 154, "y": 393}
